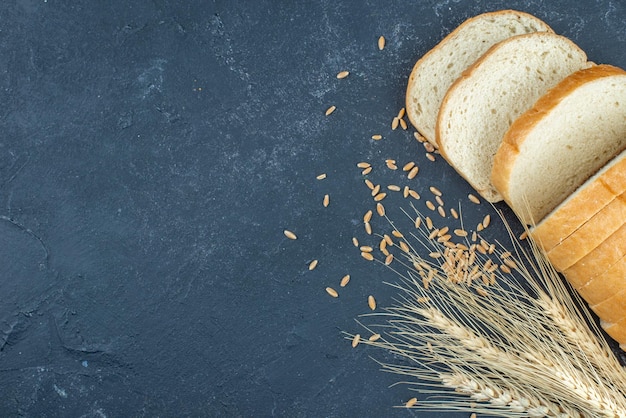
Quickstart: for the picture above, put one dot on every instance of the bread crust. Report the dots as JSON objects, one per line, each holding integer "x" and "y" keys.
{"x": 602, "y": 287}
{"x": 591, "y": 234}
{"x": 585, "y": 202}
{"x": 599, "y": 260}
{"x": 613, "y": 309}
{"x": 459, "y": 29}
{"x": 505, "y": 159}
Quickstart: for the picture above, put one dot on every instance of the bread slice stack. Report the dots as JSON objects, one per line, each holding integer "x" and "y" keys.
{"x": 481, "y": 105}
{"x": 526, "y": 118}
{"x": 433, "y": 74}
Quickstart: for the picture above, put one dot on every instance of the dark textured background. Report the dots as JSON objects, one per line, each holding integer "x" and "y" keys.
{"x": 151, "y": 154}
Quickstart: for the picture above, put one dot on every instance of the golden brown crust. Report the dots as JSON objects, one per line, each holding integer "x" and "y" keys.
{"x": 613, "y": 309}
{"x": 505, "y": 158}
{"x": 591, "y": 234}
{"x": 602, "y": 287}
{"x": 599, "y": 260}
{"x": 446, "y": 39}
{"x": 588, "y": 200}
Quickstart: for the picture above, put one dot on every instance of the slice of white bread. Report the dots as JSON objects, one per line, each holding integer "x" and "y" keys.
{"x": 613, "y": 309}
{"x": 480, "y": 106}
{"x": 591, "y": 234}
{"x": 617, "y": 331}
{"x": 581, "y": 205}
{"x": 433, "y": 74}
{"x": 599, "y": 260}
{"x": 602, "y": 287}
{"x": 567, "y": 136}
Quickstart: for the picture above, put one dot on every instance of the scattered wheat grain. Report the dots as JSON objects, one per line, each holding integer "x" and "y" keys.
{"x": 369, "y": 184}
{"x": 430, "y": 205}
{"x": 404, "y": 247}
{"x": 371, "y": 302}
{"x": 430, "y": 156}
{"x": 429, "y": 222}
{"x": 473, "y": 199}
{"x": 355, "y": 241}
{"x": 290, "y": 234}
{"x": 345, "y": 280}
{"x": 374, "y": 337}
{"x": 363, "y": 164}
{"x": 367, "y": 171}
{"x": 435, "y": 191}
{"x": 312, "y": 264}
{"x": 486, "y": 221}
{"x": 326, "y": 201}
{"x": 391, "y": 164}
{"x": 379, "y": 197}
{"x": 375, "y": 190}
{"x": 381, "y": 43}
{"x": 332, "y": 292}
{"x": 394, "y": 188}
{"x": 380, "y": 209}
{"x": 343, "y": 74}
{"x": 460, "y": 232}
{"x": 403, "y": 124}
{"x": 330, "y": 110}
{"x": 405, "y": 191}
{"x": 356, "y": 340}
{"x": 454, "y": 213}
{"x": 397, "y": 233}
{"x": 377, "y": 137}
{"x": 388, "y": 259}
{"x": 414, "y": 194}
{"x": 388, "y": 239}
{"x": 413, "y": 172}
{"x": 428, "y": 147}
{"x": 368, "y": 228}
{"x": 321, "y": 176}
{"x": 439, "y": 200}
{"x": 418, "y": 222}
{"x": 442, "y": 211}
{"x": 367, "y": 256}
{"x": 408, "y": 166}
{"x": 368, "y": 216}
{"x": 395, "y": 123}
{"x": 366, "y": 248}
{"x": 401, "y": 113}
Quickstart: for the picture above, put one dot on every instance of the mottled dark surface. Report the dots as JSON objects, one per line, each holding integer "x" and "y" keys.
{"x": 152, "y": 152}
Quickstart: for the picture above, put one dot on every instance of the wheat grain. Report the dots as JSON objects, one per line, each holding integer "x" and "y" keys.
{"x": 332, "y": 292}
{"x": 381, "y": 43}
{"x": 377, "y": 137}
{"x": 343, "y": 74}
{"x": 321, "y": 176}
{"x": 290, "y": 234}
{"x": 330, "y": 110}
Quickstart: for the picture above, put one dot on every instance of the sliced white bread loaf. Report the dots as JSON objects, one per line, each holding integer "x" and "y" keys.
{"x": 567, "y": 136}
{"x": 581, "y": 205}
{"x": 480, "y": 106}
{"x": 613, "y": 309}
{"x": 591, "y": 234}
{"x": 433, "y": 74}
{"x": 602, "y": 287}
{"x": 599, "y": 260}
{"x": 617, "y": 331}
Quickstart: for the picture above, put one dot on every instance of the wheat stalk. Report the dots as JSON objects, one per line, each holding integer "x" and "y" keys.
{"x": 484, "y": 342}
